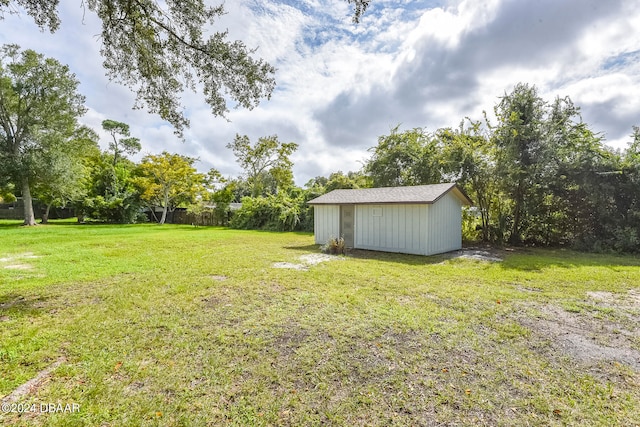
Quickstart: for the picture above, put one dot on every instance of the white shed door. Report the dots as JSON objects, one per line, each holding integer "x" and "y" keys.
{"x": 346, "y": 224}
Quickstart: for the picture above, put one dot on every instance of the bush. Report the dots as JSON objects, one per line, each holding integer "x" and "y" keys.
{"x": 334, "y": 246}
{"x": 123, "y": 210}
{"x": 626, "y": 240}
{"x": 471, "y": 226}
{"x": 275, "y": 212}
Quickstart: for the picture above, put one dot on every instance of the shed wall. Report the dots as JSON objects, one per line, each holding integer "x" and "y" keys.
{"x": 326, "y": 222}
{"x": 444, "y": 226}
{"x": 391, "y": 228}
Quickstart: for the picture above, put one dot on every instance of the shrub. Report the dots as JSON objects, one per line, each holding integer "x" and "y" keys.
{"x": 276, "y": 212}
{"x": 471, "y": 226}
{"x": 123, "y": 210}
{"x": 334, "y": 246}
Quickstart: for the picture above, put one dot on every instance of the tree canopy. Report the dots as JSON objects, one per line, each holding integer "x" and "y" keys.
{"x": 128, "y": 145}
{"x": 404, "y": 158}
{"x": 39, "y": 107}
{"x": 167, "y": 180}
{"x": 539, "y": 175}
{"x": 267, "y": 158}
{"x": 160, "y": 50}
{"x": 62, "y": 178}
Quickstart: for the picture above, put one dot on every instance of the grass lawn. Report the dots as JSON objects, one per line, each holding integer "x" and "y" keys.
{"x": 185, "y": 326}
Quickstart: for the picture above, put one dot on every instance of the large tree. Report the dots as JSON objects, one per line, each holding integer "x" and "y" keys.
{"x": 167, "y": 180}
{"x": 468, "y": 159}
{"x": 267, "y": 158}
{"x": 62, "y": 179}
{"x": 39, "y": 106}
{"x": 404, "y": 158}
{"x": 120, "y": 146}
{"x": 111, "y": 193}
{"x": 520, "y": 141}
{"x": 159, "y": 49}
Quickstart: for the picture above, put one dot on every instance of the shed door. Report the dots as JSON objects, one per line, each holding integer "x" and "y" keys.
{"x": 346, "y": 224}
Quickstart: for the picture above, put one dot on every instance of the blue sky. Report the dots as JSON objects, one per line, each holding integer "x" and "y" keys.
{"x": 416, "y": 63}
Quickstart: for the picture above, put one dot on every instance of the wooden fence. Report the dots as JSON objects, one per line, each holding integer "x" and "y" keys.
{"x": 15, "y": 210}
{"x": 206, "y": 218}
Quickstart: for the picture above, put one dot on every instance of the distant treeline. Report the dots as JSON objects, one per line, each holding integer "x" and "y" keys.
{"x": 538, "y": 175}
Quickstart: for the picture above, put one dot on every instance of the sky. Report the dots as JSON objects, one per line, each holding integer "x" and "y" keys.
{"x": 340, "y": 85}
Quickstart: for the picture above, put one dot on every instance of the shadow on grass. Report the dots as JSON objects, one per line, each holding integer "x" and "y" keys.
{"x": 16, "y": 304}
{"x": 304, "y": 248}
{"x": 294, "y": 233}
{"x": 5, "y": 226}
{"x": 524, "y": 259}
{"x": 377, "y": 255}
{"x": 536, "y": 259}
{"x": 397, "y": 258}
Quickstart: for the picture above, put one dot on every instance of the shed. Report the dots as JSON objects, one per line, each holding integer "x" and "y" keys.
{"x": 421, "y": 220}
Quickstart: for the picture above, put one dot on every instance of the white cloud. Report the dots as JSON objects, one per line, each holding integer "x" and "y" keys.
{"x": 340, "y": 85}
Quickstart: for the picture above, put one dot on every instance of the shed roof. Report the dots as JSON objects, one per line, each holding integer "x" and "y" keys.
{"x": 419, "y": 194}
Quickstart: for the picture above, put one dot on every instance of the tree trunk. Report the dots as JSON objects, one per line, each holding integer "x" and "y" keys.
{"x": 153, "y": 212}
{"x": 45, "y": 216}
{"x": 165, "y": 206}
{"x": 514, "y": 238}
{"x": 164, "y": 215}
{"x": 29, "y": 217}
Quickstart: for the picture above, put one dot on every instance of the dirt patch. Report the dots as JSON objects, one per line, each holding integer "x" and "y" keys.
{"x": 629, "y": 300}
{"x": 26, "y": 255}
{"x": 290, "y": 266}
{"x": 589, "y": 336}
{"x": 218, "y": 278}
{"x": 314, "y": 259}
{"x": 306, "y": 261}
{"x": 14, "y": 262}
{"x": 34, "y": 383}
{"x": 18, "y": 267}
{"x": 634, "y": 297}
{"x": 290, "y": 341}
{"x": 15, "y": 302}
{"x": 480, "y": 254}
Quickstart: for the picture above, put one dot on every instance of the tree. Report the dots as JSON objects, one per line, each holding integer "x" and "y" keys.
{"x": 159, "y": 49}
{"x": 128, "y": 145}
{"x": 120, "y": 147}
{"x": 360, "y": 6}
{"x": 404, "y": 158}
{"x": 168, "y": 180}
{"x": 62, "y": 179}
{"x": 350, "y": 180}
{"x": 268, "y": 157}
{"x": 39, "y": 106}
{"x": 6, "y": 192}
{"x": 111, "y": 193}
{"x": 338, "y": 180}
{"x": 222, "y": 199}
{"x": 468, "y": 159}
{"x": 518, "y": 138}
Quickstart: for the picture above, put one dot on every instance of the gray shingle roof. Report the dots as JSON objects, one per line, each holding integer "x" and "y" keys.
{"x": 414, "y": 194}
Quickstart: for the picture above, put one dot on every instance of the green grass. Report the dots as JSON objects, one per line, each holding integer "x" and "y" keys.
{"x": 182, "y": 326}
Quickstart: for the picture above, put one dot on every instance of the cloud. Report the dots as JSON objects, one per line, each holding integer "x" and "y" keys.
{"x": 458, "y": 59}
{"x": 426, "y": 63}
